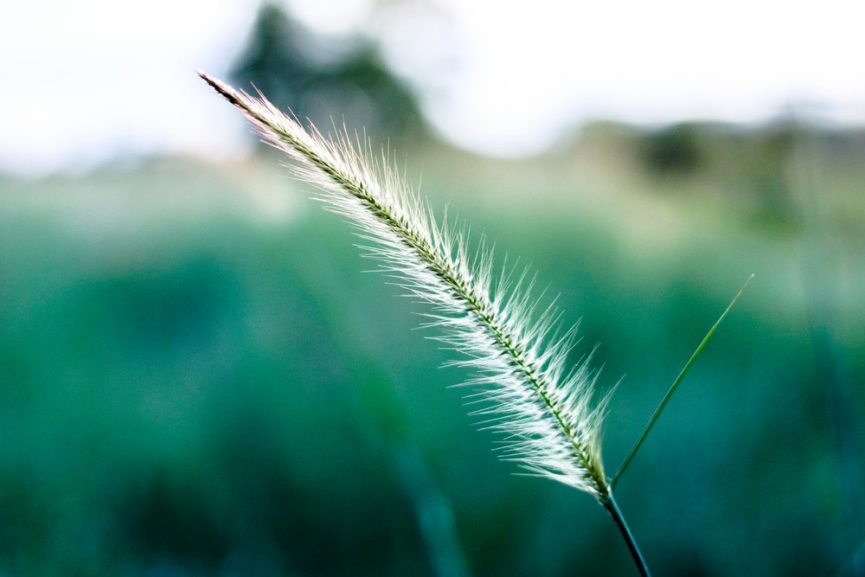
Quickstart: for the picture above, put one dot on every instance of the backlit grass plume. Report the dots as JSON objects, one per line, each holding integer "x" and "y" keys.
{"x": 518, "y": 360}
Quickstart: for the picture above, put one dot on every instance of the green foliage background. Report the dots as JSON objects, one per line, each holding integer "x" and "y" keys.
{"x": 196, "y": 377}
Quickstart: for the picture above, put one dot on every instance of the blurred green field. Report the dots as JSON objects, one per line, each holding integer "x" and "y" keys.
{"x": 198, "y": 378}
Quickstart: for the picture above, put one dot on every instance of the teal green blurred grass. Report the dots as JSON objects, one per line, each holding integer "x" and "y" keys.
{"x": 197, "y": 378}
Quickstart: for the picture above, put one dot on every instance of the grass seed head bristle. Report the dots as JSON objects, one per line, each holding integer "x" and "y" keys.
{"x": 545, "y": 413}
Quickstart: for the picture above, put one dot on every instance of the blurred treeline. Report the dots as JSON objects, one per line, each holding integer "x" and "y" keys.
{"x": 329, "y": 82}
{"x": 197, "y": 379}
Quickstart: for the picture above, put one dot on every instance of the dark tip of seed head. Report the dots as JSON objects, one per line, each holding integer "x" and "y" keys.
{"x": 220, "y": 88}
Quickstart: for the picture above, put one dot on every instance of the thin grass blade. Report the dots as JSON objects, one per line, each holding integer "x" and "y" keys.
{"x": 663, "y": 404}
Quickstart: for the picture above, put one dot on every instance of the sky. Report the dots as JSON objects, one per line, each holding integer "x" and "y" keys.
{"x": 88, "y": 81}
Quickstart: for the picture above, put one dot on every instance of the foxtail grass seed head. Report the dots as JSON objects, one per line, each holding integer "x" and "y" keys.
{"x": 520, "y": 385}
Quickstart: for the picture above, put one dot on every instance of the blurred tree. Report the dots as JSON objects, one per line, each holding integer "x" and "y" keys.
{"x": 325, "y": 79}
{"x": 672, "y": 150}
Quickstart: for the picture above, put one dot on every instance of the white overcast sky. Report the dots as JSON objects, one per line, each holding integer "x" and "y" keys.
{"x": 90, "y": 80}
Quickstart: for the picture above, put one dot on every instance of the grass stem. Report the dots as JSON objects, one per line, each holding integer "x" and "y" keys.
{"x": 613, "y": 507}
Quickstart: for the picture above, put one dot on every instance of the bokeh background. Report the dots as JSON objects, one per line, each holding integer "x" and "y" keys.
{"x": 196, "y": 377}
